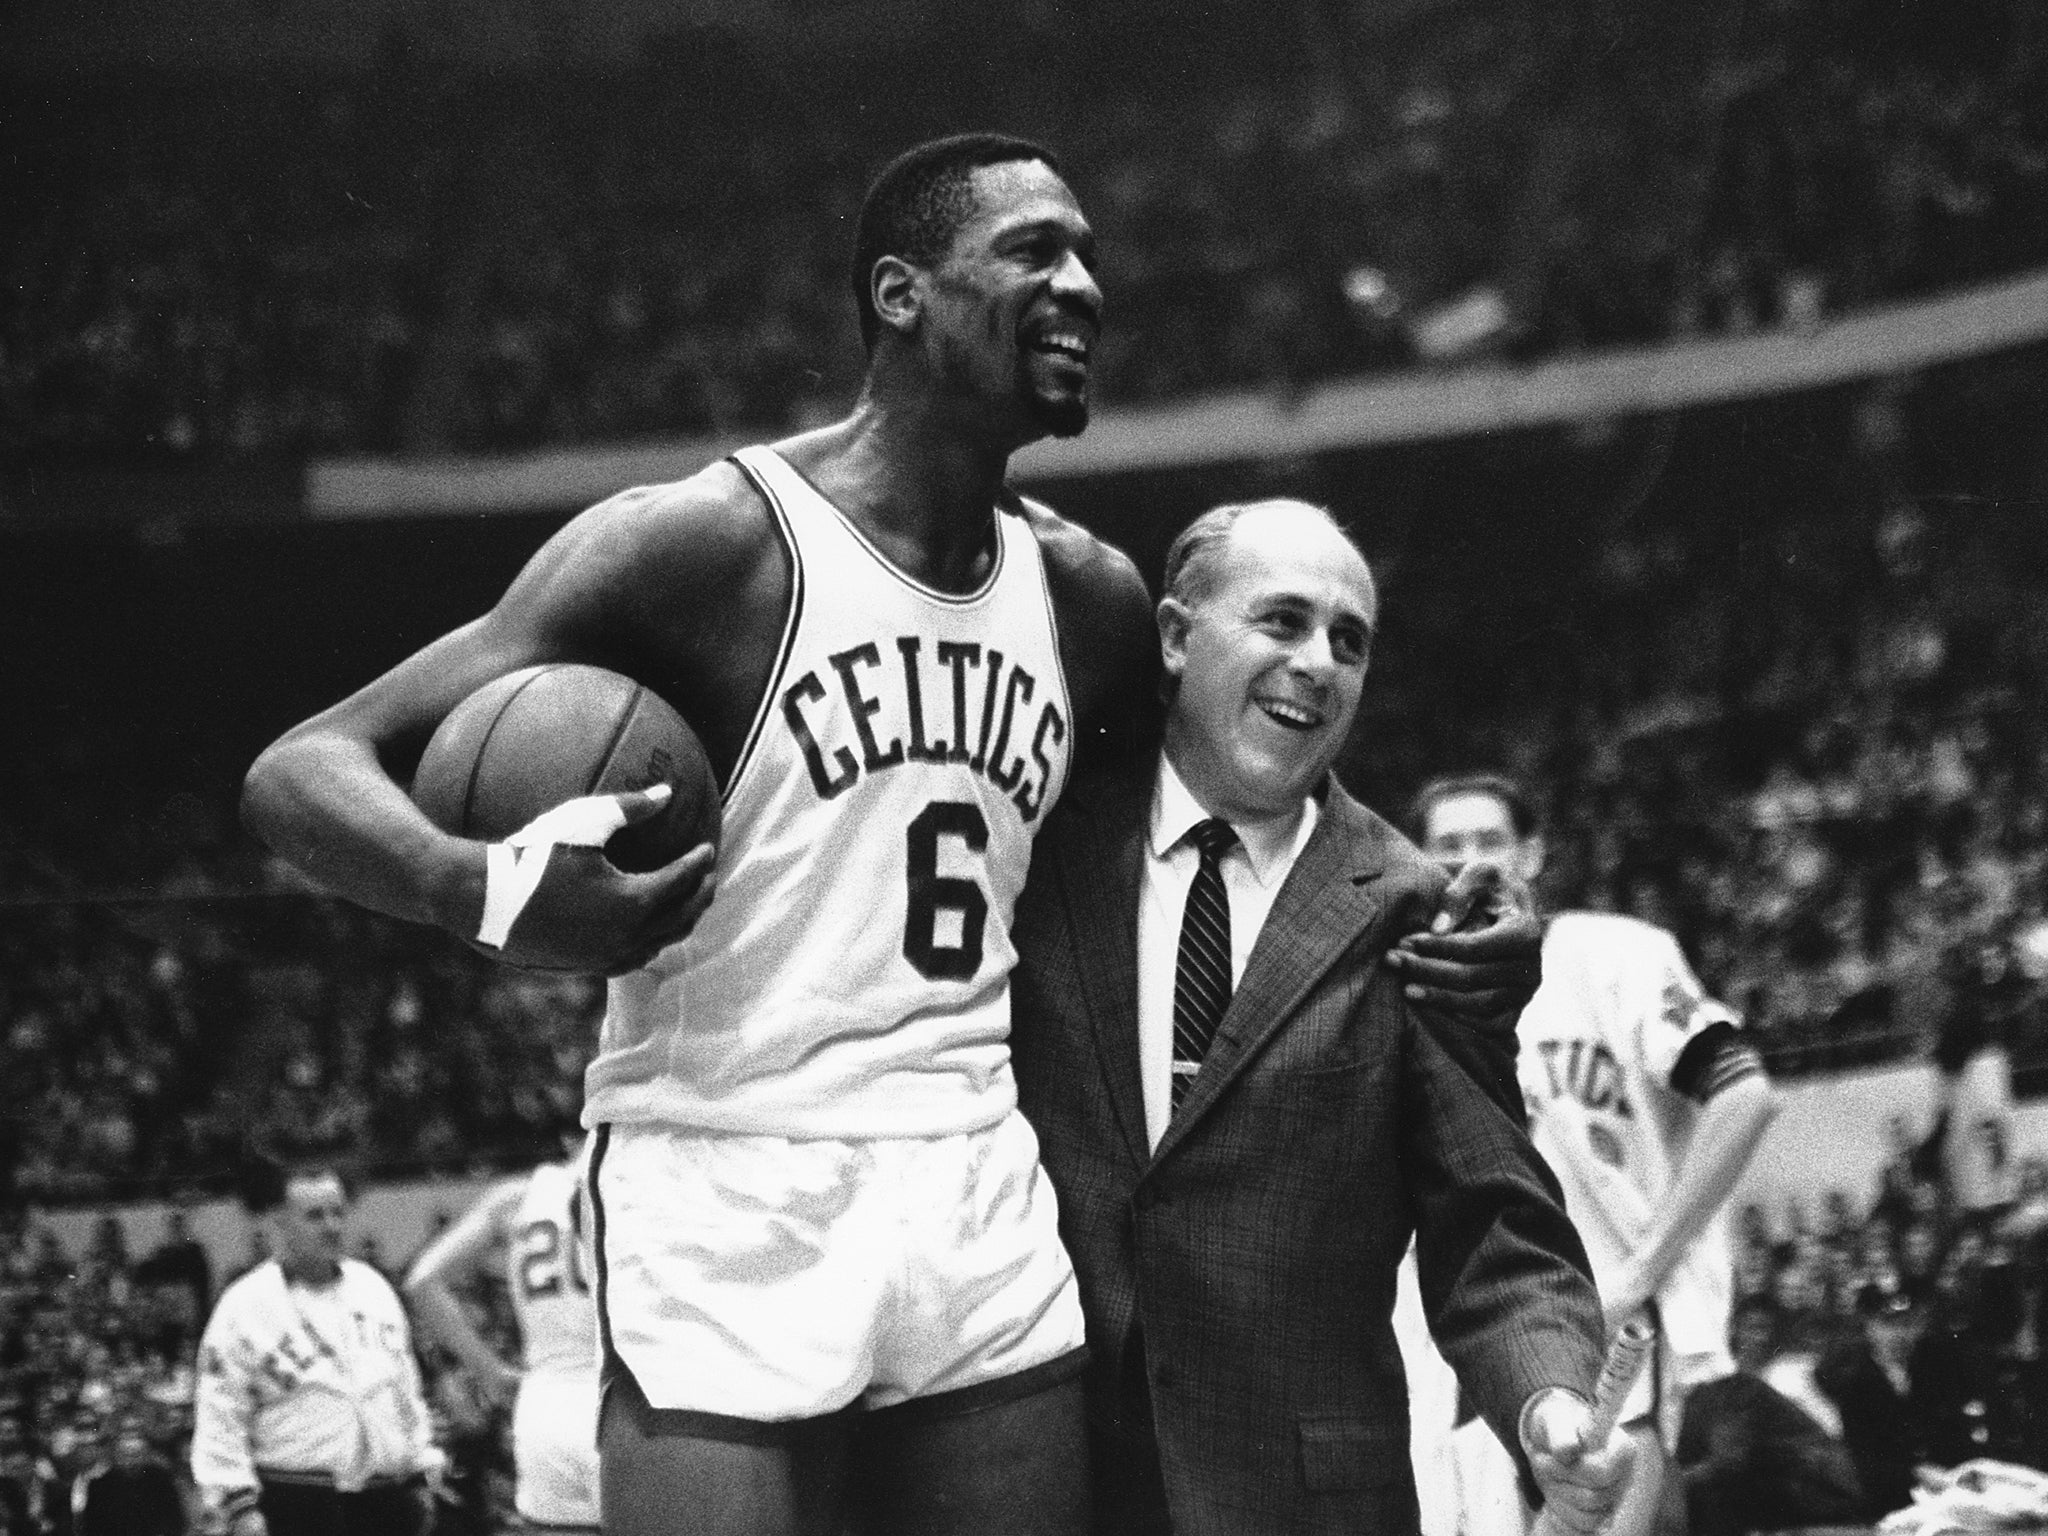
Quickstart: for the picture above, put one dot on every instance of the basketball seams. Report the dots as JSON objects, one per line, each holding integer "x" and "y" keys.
{"x": 626, "y": 718}
{"x": 483, "y": 746}
{"x": 507, "y": 755}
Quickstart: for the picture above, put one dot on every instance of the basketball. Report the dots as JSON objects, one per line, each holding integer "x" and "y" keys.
{"x": 536, "y": 737}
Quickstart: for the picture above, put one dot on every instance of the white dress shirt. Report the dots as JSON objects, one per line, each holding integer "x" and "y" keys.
{"x": 1253, "y": 873}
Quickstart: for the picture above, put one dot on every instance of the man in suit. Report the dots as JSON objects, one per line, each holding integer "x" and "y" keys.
{"x": 1243, "y": 1116}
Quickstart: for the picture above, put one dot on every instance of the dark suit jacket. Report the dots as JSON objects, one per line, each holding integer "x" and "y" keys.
{"x": 1255, "y": 1253}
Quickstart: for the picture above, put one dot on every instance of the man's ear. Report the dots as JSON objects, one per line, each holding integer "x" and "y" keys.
{"x": 1529, "y": 859}
{"x": 898, "y": 295}
{"x": 1174, "y": 618}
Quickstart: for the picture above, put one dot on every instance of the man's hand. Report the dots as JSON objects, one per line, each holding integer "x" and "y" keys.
{"x": 248, "y": 1522}
{"x": 1483, "y": 954}
{"x": 581, "y": 912}
{"x": 1581, "y": 1483}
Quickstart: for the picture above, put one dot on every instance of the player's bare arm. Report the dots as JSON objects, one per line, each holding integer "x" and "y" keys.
{"x": 684, "y": 588}
{"x": 1108, "y": 644}
{"x": 455, "y": 1257}
{"x": 1733, "y": 1116}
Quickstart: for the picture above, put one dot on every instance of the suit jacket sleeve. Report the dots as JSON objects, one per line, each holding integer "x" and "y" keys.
{"x": 1505, "y": 1281}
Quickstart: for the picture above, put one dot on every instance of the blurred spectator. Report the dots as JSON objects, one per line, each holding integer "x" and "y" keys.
{"x": 180, "y": 1261}
{"x": 1751, "y": 1458}
{"x": 131, "y": 1493}
{"x": 1867, "y": 1375}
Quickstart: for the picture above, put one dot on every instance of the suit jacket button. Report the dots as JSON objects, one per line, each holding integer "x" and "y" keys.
{"x": 1146, "y": 1198}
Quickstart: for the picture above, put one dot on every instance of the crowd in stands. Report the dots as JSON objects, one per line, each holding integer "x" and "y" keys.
{"x": 1912, "y": 1329}
{"x": 416, "y": 259}
{"x": 98, "y": 1360}
{"x": 144, "y": 1046}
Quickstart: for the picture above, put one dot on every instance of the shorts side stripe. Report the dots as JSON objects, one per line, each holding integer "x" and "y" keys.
{"x": 600, "y": 1139}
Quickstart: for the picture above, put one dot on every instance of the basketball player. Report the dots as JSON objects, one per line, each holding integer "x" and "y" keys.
{"x": 534, "y": 1223}
{"x": 1648, "y": 1104}
{"x": 819, "y": 1221}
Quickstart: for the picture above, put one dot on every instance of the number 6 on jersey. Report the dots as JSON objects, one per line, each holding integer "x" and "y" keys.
{"x": 932, "y": 893}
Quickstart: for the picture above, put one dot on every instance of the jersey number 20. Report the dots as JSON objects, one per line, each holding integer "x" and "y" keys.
{"x": 547, "y": 1262}
{"x": 932, "y": 893}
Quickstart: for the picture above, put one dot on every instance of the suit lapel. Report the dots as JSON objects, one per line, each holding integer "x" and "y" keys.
{"x": 1101, "y": 856}
{"x": 1330, "y": 896}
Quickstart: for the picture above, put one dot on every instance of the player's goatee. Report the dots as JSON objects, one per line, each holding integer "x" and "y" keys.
{"x": 1063, "y": 418}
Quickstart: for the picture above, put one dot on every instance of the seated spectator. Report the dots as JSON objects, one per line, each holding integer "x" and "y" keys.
{"x": 1751, "y": 1458}
{"x": 1866, "y": 1376}
{"x": 132, "y": 1492}
{"x": 1953, "y": 1362}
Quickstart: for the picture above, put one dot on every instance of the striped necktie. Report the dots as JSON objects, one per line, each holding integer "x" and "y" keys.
{"x": 1201, "y": 982}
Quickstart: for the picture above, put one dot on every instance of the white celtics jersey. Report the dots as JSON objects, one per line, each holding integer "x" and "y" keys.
{"x": 851, "y": 977}
{"x": 1616, "y": 1007}
{"x": 548, "y": 1271}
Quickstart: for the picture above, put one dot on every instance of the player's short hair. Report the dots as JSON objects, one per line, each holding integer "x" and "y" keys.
{"x": 918, "y": 203}
{"x": 263, "y": 1179}
{"x": 1509, "y": 792}
{"x": 1191, "y": 573}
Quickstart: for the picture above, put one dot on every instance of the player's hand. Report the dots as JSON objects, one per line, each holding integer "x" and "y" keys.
{"x": 1483, "y": 954}
{"x": 585, "y": 913}
{"x": 432, "y": 1493}
{"x": 1581, "y": 1483}
{"x": 249, "y": 1522}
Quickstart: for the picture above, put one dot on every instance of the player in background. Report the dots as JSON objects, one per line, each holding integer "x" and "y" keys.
{"x": 811, "y": 1190}
{"x": 1648, "y": 1104}
{"x": 533, "y": 1225}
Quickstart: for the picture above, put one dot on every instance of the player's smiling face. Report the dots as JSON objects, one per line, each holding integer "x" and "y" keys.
{"x": 1269, "y": 654}
{"x": 1015, "y": 309}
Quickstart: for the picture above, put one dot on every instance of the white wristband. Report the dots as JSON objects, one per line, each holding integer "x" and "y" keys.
{"x": 511, "y": 876}
{"x": 513, "y": 868}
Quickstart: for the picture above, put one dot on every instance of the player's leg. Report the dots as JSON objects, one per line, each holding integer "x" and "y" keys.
{"x": 735, "y": 1301}
{"x": 977, "y": 1422}
{"x": 1487, "y": 1495}
{"x": 554, "y": 1451}
{"x": 991, "y": 1464}
{"x": 1432, "y": 1405}
{"x": 669, "y": 1473}
{"x": 1640, "y": 1512}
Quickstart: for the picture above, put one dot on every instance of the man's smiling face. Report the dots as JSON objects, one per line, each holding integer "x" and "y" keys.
{"x": 1015, "y": 309}
{"x": 1269, "y": 648}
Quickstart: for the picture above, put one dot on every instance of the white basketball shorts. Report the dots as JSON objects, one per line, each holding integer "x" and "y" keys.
{"x": 753, "y": 1278}
{"x": 554, "y": 1448}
